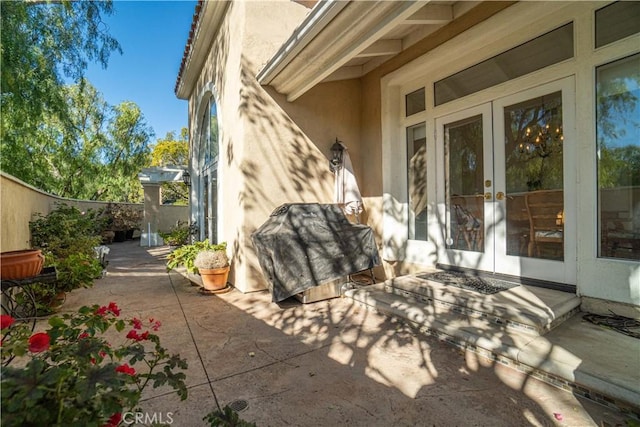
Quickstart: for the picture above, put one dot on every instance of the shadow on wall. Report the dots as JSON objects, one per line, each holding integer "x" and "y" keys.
{"x": 284, "y": 165}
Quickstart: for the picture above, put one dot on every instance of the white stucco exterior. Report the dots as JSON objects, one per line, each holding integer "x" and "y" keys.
{"x": 284, "y": 92}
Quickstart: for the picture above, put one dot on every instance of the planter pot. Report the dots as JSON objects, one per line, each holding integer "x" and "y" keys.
{"x": 214, "y": 279}
{"x": 21, "y": 264}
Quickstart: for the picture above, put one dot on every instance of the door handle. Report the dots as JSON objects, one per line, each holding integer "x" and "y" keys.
{"x": 500, "y": 195}
{"x": 488, "y": 195}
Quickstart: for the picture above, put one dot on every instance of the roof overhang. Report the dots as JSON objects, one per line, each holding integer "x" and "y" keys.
{"x": 346, "y": 39}
{"x": 206, "y": 23}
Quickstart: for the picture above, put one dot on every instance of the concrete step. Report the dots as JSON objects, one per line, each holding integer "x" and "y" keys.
{"x": 525, "y": 308}
{"x": 508, "y": 327}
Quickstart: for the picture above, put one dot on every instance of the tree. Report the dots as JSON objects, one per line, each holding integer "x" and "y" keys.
{"x": 66, "y": 139}
{"x": 42, "y": 43}
{"x": 173, "y": 152}
{"x": 95, "y": 154}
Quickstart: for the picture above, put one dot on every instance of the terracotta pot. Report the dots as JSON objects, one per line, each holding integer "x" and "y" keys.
{"x": 21, "y": 264}
{"x": 214, "y": 279}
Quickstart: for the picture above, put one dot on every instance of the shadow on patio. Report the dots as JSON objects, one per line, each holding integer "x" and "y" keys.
{"x": 327, "y": 363}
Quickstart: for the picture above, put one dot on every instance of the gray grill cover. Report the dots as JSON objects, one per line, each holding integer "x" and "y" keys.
{"x": 305, "y": 245}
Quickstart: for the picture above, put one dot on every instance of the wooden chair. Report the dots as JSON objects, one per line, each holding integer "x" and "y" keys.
{"x": 545, "y": 209}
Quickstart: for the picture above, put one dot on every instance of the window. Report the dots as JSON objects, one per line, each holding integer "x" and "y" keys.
{"x": 209, "y": 133}
{"x": 617, "y": 21}
{"x": 417, "y": 180}
{"x": 550, "y": 48}
{"x": 618, "y": 156}
{"x": 414, "y": 102}
{"x": 210, "y": 150}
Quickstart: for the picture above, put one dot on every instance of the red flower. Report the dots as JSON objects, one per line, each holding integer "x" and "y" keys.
{"x": 39, "y": 342}
{"x": 133, "y": 335}
{"x": 137, "y": 323}
{"x": 156, "y": 325}
{"x": 113, "y": 307}
{"x": 126, "y": 369}
{"x": 6, "y": 321}
{"x": 83, "y": 336}
{"x": 114, "y": 420}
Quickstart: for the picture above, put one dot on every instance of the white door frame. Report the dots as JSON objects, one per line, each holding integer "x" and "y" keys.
{"x": 494, "y": 256}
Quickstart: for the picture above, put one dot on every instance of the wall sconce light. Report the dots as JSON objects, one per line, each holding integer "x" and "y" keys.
{"x": 337, "y": 152}
{"x": 186, "y": 178}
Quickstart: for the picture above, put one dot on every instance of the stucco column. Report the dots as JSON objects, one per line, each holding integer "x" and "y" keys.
{"x": 152, "y": 202}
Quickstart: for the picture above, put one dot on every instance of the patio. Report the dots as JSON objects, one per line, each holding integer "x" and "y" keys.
{"x": 327, "y": 363}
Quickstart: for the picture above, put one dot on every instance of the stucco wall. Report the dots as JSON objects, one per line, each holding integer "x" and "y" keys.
{"x": 272, "y": 152}
{"x": 19, "y": 202}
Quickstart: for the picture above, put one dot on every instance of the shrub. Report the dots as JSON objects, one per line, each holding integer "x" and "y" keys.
{"x": 67, "y": 238}
{"x": 71, "y": 375}
{"x": 178, "y": 235}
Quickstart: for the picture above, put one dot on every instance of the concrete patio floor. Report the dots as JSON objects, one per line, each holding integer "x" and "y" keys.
{"x": 329, "y": 363}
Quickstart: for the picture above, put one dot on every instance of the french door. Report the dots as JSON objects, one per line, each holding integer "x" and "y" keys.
{"x": 506, "y": 184}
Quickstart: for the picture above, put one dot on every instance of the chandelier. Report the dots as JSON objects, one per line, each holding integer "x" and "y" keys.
{"x": 541, "y": 141}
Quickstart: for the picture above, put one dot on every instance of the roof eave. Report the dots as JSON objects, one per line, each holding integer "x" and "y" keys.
{"x": 333, "y": 33}
{"x": 208, "y": 22}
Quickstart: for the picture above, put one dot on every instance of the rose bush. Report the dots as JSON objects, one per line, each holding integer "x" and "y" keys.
{"x": 71, "y": 374}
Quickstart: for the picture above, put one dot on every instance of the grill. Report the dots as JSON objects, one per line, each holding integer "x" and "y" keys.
{"x": 303, "y": 245}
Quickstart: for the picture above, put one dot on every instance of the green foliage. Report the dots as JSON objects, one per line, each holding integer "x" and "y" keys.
{"x": 43, "y": 42}
{"x": 186, "y": 255}
{"x": 110, "y": 144}
{"x": 76, "y": 271}
{"x": 45, "y": 298}
{"x": 66, "y": 230}
{"x": 173, "y": 152}
{"x": 226, "y": 417}
{"x": 72, "y": 375}
{"x": 177, "y": 235}
{"x": 53, "y": 136}
{"x": 67, "y": 238}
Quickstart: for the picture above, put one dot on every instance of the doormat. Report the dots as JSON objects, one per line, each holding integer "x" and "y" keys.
{"x": 484, "y": 285}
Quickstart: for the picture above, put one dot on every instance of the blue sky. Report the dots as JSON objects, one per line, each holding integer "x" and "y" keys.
{"x": 153, "y": 35}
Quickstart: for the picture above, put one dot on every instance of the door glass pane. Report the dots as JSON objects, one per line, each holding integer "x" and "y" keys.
{"x": 464, "y": 184}
{"x": 417, "y": 180}
{"x": 534, "y": 178}
{"x": 618, "y": 139}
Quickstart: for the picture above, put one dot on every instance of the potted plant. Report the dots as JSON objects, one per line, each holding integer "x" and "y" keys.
{"x": 185, "y": 255}
{"x": 213, "y": 267}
